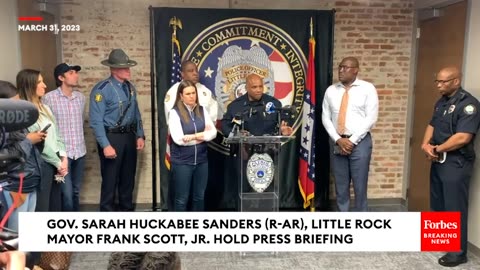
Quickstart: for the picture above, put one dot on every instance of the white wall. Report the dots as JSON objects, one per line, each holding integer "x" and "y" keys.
{"x": 471, "y": 84}
{"x": 9, "y": 41}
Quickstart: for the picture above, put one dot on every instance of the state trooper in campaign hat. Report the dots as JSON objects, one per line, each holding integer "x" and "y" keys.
{"x": 117, "y": 123}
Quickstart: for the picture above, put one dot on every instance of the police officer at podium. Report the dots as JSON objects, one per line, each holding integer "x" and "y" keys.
{"x": 117, "y": 124}
{"x": 448, "y": 143}
{"x": 255, "y": 108}
{"x": 257, "y": 111}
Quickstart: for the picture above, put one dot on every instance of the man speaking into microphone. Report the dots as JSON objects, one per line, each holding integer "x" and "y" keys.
{"x": 257, "y": 110}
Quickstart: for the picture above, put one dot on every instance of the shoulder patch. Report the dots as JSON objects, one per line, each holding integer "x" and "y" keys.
{"x": 98, "y": 97}
{"x": 103, "y": 85}
{"x": 470, "y": 109}
{"x": 167, "y": 98}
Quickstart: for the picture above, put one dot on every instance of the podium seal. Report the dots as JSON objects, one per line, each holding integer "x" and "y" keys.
{"x": 260, "y": 171}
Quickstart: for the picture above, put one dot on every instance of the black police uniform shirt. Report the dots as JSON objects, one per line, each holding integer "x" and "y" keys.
{"x": 456, "y": 114}
{"x": 257, "y": 121}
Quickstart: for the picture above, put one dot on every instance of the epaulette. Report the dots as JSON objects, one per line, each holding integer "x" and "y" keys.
{"x": 103, "y": 85}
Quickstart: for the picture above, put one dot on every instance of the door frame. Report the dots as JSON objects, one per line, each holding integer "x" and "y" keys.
{"x": 419, "y": 6}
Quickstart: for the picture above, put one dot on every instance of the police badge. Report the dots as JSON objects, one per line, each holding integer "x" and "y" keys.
{"x": 451, "y": 109}
{"x": 234, "y": 66}
{"x": 260, "y": 171}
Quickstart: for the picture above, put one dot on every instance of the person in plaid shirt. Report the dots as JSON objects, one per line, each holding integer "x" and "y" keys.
{"x": 68, "y": 106}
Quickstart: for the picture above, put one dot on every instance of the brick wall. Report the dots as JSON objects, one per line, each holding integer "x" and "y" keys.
{"x": 379, "y": 33}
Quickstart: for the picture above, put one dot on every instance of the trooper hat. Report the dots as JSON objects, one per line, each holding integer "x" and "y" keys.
{"x": 118, "y": 59}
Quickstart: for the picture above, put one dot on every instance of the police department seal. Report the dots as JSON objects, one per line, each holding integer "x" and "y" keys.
{"x": 227, "y": 51}
{"x": 260, "y": 171}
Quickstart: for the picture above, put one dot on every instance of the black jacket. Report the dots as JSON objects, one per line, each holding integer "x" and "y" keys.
{"x": 17, "y": 144}
{"x": 258, "y": 120}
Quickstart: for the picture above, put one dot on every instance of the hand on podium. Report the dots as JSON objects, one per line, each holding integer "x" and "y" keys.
{"x": 285, "y": 129}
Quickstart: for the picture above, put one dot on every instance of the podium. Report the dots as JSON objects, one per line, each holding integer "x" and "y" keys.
{"x": 257, "y": 167}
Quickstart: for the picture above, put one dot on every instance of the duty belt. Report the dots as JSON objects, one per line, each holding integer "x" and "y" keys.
{"x": 121, "y": 129}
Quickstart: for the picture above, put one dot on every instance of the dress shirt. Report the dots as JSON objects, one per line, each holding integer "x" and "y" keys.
{"x": 362, "y": 110}
{"x": 69, "y": 113}
{"x": 176, "y": 130}
{"x": 205, "y": 100}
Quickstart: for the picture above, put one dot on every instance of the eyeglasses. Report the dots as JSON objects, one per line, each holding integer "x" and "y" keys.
{"x": 443, "y": 81}
{"x": 345, "y": 67}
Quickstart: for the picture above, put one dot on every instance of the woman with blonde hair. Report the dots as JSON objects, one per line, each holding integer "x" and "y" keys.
{"x": 31, "y": 87}
{"x": 190, "y": 128}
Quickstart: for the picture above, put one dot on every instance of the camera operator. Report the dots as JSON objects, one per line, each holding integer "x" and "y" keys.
{"x": 20, "y": 144}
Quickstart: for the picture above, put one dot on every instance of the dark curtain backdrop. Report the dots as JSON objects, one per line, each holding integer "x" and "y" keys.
{"x": 296, "y": 23}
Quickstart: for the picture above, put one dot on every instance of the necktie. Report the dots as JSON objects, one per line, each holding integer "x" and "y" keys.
{"x": 125, "y": 89}
{"x": 342, "y": 115}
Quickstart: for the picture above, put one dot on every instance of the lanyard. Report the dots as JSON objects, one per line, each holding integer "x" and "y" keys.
{"x": 120, "y": 102}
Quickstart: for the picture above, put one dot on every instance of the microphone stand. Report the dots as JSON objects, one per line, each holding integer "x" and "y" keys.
{"x": 279, "y": 122}
{"x": 243, "y": 124}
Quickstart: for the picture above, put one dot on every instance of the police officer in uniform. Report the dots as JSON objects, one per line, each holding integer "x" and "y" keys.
{"x": 448, "y": 143}
{"x": 117, "y": 124}
{"x": 189, "y": 72}
{"x": 256, "y": 110}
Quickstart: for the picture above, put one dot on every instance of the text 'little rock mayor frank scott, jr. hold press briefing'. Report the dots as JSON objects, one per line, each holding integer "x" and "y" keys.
{"x": 247, "y": 231}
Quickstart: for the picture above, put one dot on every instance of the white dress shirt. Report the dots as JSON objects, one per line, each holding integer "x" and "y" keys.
{"x": 176, "y": 130}
{"x": 362, "y": 110}
{"x": 204, "y": 98}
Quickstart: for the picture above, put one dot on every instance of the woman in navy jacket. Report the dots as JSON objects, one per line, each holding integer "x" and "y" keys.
{"x": 190, "y": 128}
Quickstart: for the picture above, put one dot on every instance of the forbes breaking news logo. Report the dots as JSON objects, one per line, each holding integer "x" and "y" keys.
{"x": 440, "y": 231}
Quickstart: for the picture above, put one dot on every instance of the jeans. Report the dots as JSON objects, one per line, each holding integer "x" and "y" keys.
{"x": 27, "y": 206}
{"x": 186, "y": 178}
{"x": 47, "y": 197}
{"x": 73, "y": 182}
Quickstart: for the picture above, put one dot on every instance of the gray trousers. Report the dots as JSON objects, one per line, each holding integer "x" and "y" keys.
{"x": 353, "y": 167}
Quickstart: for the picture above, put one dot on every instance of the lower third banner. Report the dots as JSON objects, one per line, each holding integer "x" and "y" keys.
{"x": 247, "y": 231}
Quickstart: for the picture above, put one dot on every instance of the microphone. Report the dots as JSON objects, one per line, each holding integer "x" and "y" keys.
{"x": 237, "y": 123}
{"x": 17, "y": 114}
{"x": 288, "y": 109}
{"x": 270, "y": 108}
{"x": 237, "y": 119}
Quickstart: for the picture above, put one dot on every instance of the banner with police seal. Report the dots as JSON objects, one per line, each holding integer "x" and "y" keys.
{"x": 227, "y": 51}
{"x": 229, "y": 44}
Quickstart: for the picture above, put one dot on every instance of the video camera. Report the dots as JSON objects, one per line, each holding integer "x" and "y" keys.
{"x": 15, "y": 115}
